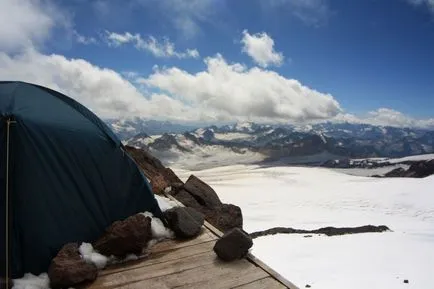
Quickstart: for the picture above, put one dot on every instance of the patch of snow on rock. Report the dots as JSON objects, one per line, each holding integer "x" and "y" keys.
{"x": 91, "y": 256}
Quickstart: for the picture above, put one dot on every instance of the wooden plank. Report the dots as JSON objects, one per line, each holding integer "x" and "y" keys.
{"x": 116, "y": 280}
{"x": 270, "y": 271}
{"x": 265, "y": 283}
{"x": 160, "y": 257}
{"x": 215, "y": 275}
{"x": 205, "y": 236}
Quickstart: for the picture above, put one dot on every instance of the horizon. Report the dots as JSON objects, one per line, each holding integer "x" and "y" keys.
{"x": 273, "y": 62}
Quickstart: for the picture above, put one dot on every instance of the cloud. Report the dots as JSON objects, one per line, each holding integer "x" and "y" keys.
{"x": 260, "y": 47}
{"x": 164, "y": 49}
{"x": 232, "y": 91}
{"x": 185, "y": 16}
{"x": 428, "y": 3}
{"x": 83, "y": 39}
{"x": 387, "y": 117}
{"x": 103, "y": 90}
{"x": 310, "y": 12}
{"x": 25, "y": 23}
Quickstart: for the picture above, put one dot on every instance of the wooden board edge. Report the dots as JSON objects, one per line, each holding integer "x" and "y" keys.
{"x": 252, "y": 258}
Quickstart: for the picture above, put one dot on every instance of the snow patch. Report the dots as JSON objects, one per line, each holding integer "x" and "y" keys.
{"x": 91, "y": 256}
{"x": 30, "y": 281}
{"x": 159, "y": 231}
{"x": 165, "y": 203}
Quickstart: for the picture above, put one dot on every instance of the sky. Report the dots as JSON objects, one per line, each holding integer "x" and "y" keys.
{"x": 213, "y": 61}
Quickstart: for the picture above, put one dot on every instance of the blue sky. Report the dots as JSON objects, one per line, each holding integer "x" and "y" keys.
{"x": 299, "y": 60}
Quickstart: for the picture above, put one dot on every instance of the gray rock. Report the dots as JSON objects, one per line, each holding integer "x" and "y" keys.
{"x": 185, "y": 222}
{"x": 203, "y": 193}
{"x": 234, "y": 244}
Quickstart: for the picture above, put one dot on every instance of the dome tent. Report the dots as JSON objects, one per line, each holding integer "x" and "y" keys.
{"x": 64, "y": 174}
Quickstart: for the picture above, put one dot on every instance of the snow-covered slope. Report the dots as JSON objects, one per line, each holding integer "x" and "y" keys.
{"x": 309, "y": 198}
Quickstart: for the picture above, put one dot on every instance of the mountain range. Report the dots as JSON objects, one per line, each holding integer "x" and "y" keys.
{"x": 253, "y": 142}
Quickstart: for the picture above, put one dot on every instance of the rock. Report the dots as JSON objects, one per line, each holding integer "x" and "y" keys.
{"x": 418, "y": 169}
{"x": 158, "y": 184}
{"x": 187, "y": 199}
{"x": 68, "y": 268}
{"x": 307, "y": 286}
{"x": 398, "y": 172}
{"x": 203, "y": 193}
{"x": 406, "y": 281}
{"x": 185, "y": 222}
{"x": 124, "y": 237}
{"x": 233, "y": 245}
{"x": 225, "y": 217}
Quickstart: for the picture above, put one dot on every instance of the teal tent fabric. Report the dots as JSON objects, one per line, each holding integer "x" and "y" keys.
{"x": 69, "y": 177}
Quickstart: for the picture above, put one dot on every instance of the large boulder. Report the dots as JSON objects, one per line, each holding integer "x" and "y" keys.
{"x": 187, "y": 199}
{"x": 68, "y": 268}
{"x": 185, "y": 222}
{"x": 224, "y": 217}
{"x": 202, "y": 192}
{"x": 124, "y": 237}
{"x": 234, "y": 244}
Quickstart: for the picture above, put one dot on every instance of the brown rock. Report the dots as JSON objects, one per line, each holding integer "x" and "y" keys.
{"x": 68, "y": 268}
{"x": 123, "y": 237}
{"x": 152, "y": 166}
{"x": 225, "y": 217}
{"x": 202, "y": 192}
{"x": 158, "y": 184}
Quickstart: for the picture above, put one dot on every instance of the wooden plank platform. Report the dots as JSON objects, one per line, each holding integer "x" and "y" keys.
{"x": 190, "y": 264}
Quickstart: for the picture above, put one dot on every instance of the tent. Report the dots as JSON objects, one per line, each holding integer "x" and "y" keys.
{"x": 65, "y": 177}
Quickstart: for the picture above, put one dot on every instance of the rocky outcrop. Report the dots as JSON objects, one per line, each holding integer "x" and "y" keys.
{"x": 420, "y": 169}
{"x": 194, "y": 193}
{"x": 234, "y": 244}
{"x": 68, "y": 268}
{"x": 329, "y": 231}
{"x": 159, "y": 176}
{"x": 124, "y": 237}
{"x": 185, "y": 222}
{"x": 200, "y": 196}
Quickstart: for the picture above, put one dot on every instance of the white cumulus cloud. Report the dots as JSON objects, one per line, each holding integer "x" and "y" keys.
{"x": 103, "y": 90}
{"x": 164, "y": 49}
{"x": 234, "y": 91}
{"x": 25, "y": 23}
{"x": 260, "y": 47}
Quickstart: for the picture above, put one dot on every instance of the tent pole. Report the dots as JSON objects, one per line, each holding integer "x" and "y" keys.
{"x": 8, "y": 124}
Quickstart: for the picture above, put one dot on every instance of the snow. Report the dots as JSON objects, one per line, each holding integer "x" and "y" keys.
{"x": 30, "y": 281}
{"x": 371, "y": 171}
{"x": 91, "y": 256}
{"x": 310, "y": 198}
{"x": 413, "y": 158}
{"x": 165, "y": 203}
{"x": 231, "y": 136}
{"x": 202, "y": 157}
{"x": 159, "y": 231}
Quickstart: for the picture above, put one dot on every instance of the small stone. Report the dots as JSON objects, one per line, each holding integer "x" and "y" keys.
{"x": 185, "y": 222}
{"x": 233, "y": 245}
{"x": 307, "y": 286}
{"x": 307, "y": 236}
{"x": 406, "y": 281}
